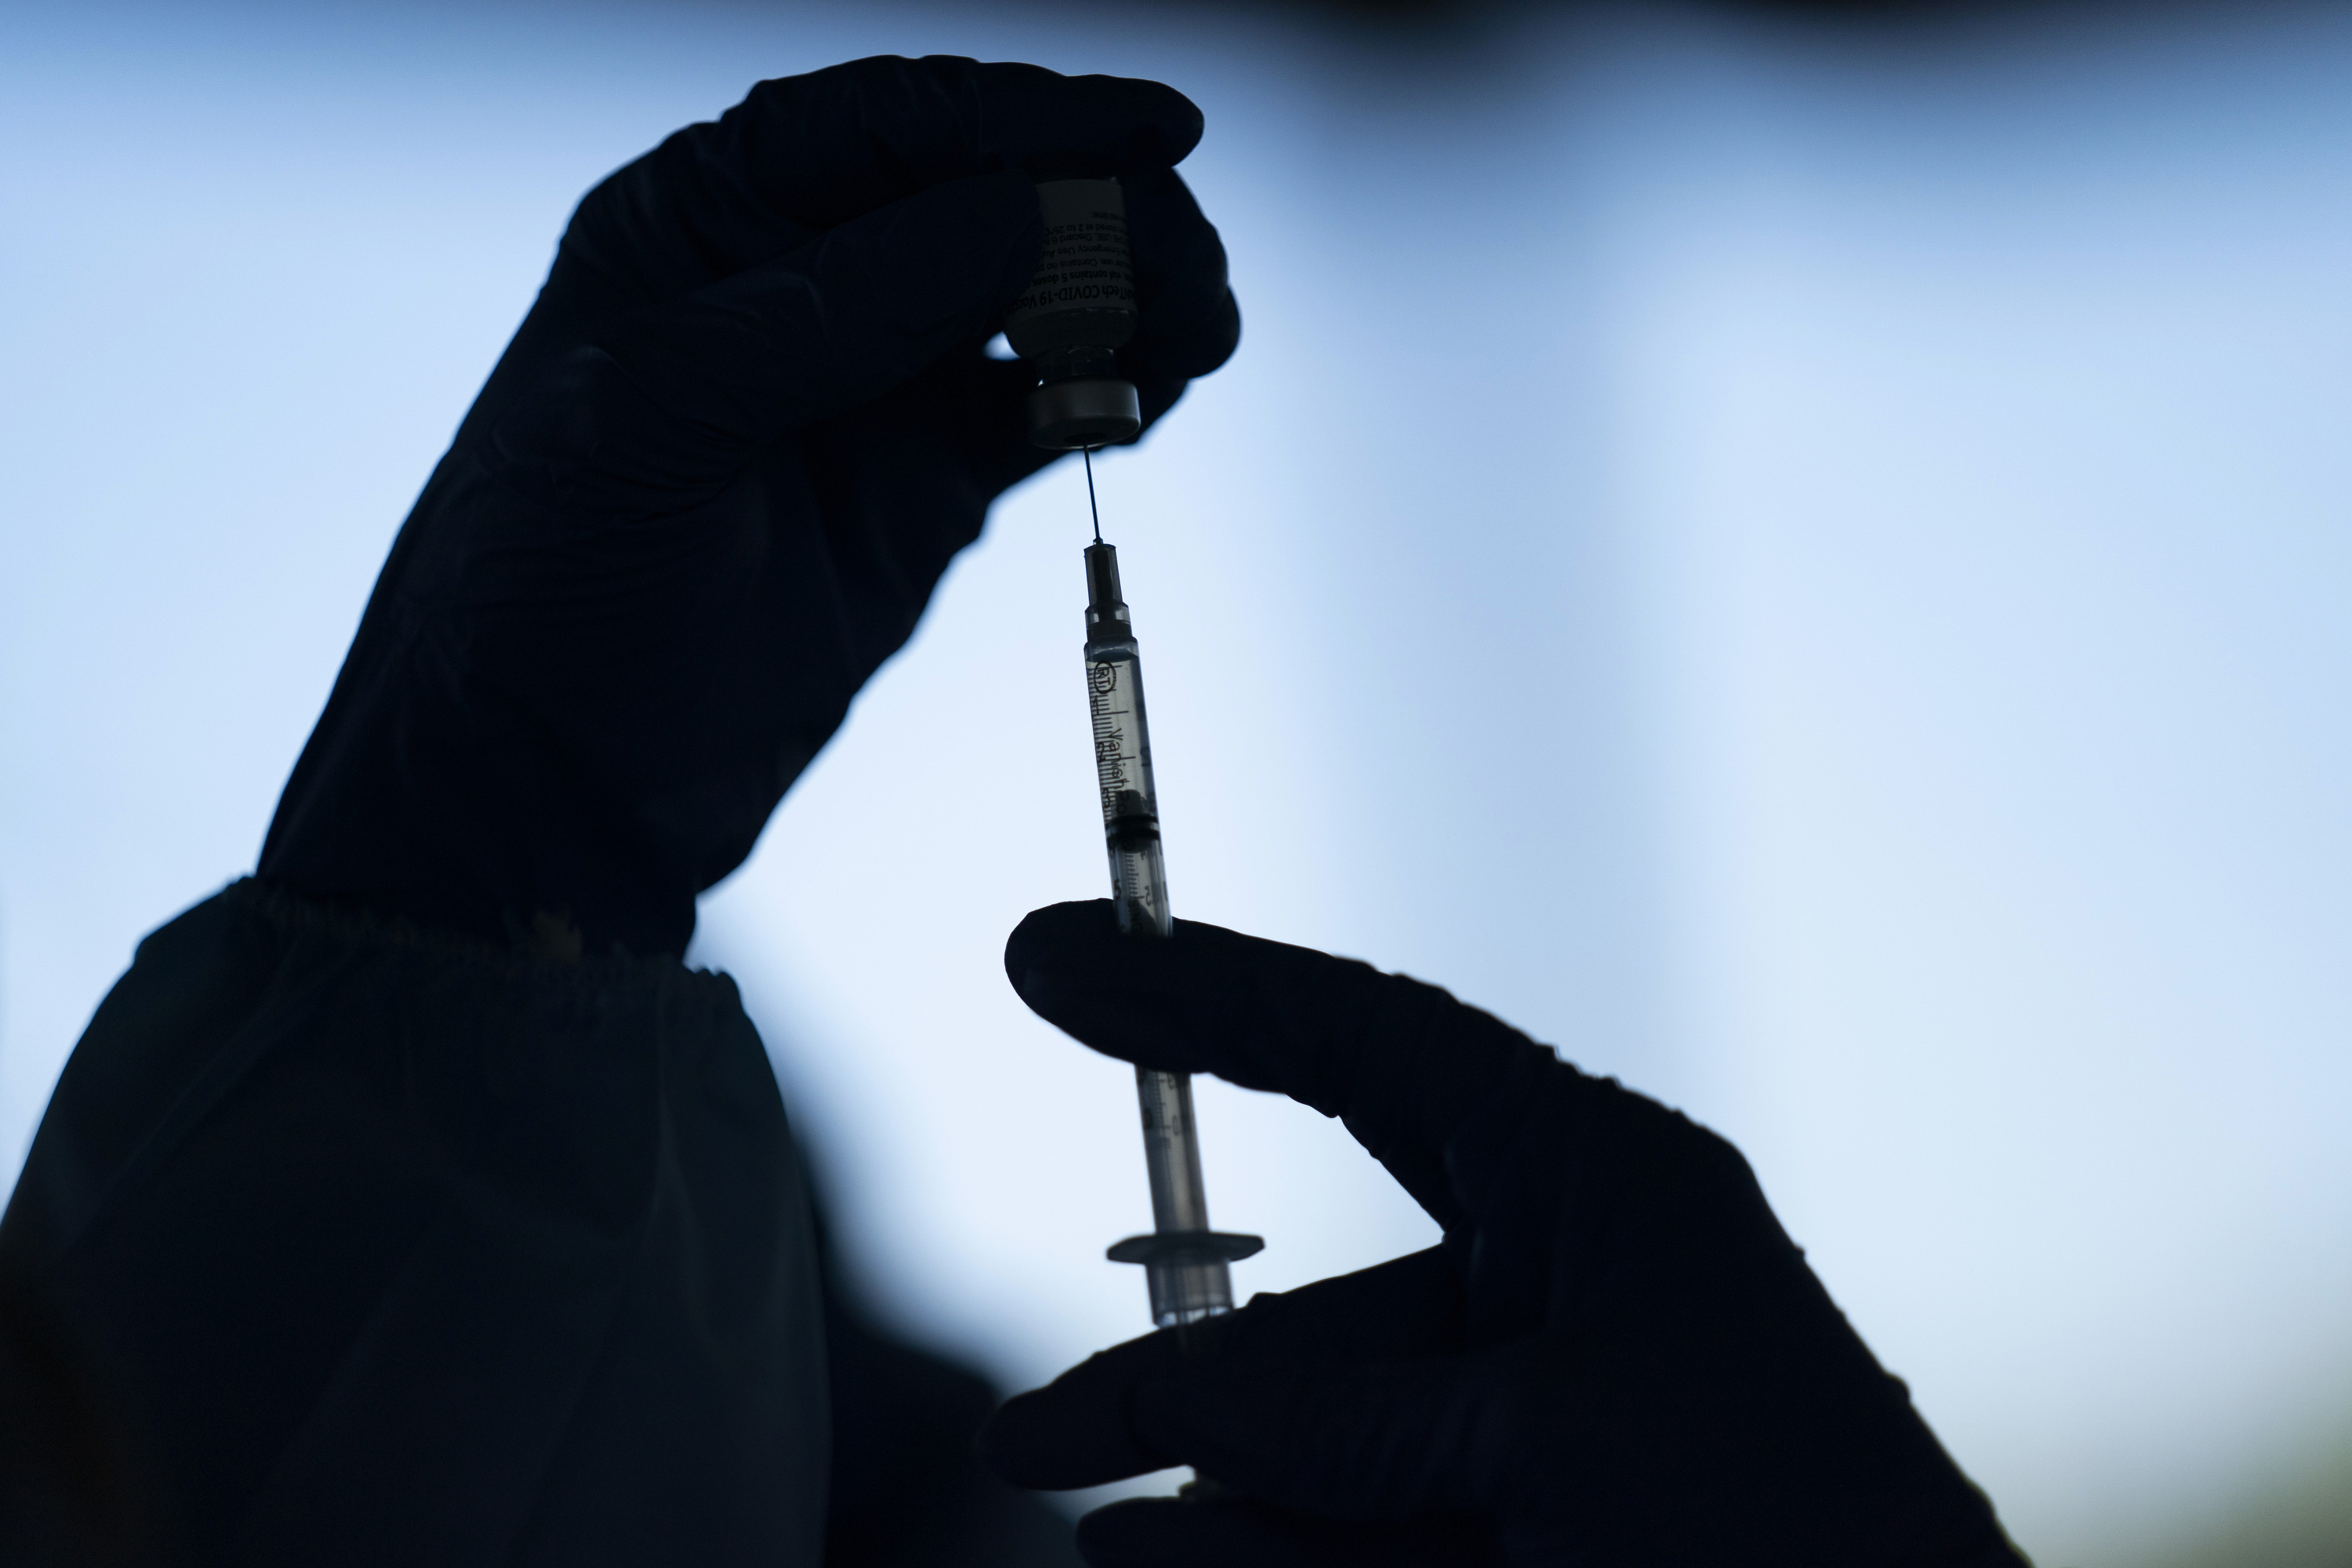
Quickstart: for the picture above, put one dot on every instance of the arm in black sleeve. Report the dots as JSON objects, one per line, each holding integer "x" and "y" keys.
{"x": 709, "y": 490}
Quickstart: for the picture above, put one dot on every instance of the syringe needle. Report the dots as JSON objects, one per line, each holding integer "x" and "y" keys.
{"x": 1089, "y": 455}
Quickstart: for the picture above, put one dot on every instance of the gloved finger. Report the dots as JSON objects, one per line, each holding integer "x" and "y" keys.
{"x": 1078, "y": 1430}
{"x": 1167, "y": 1532}
{"x": 1187, "y": 322}
{"x": 1393, "y": 1440}
{"x": 1404, "y": 1064}
{"x": 669, "y": 405}
{"x": 804, "y": 153}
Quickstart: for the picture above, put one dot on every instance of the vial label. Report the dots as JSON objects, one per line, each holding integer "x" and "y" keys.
{"x": 1086, "y": 264}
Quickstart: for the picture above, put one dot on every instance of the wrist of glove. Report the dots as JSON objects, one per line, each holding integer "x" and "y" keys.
{"x": 1615, "y": 1355}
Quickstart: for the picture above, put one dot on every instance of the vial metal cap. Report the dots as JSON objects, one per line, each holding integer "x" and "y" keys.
{"x": 1091, "y": 411}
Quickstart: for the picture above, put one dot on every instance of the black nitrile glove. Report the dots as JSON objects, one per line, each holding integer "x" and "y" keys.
{"x": 709, "y": 489}
{"x": 1615, "y": 1357}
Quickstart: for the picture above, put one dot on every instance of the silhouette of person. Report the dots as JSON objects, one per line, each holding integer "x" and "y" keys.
{"x": 424, "y": 1204}
{"x": 425, "y": 1208}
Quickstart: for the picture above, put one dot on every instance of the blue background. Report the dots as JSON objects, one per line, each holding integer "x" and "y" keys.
{"x": 1805, "y": 565}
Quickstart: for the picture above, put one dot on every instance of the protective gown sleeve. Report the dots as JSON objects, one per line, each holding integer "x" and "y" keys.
{"x": 413, "y": 1250}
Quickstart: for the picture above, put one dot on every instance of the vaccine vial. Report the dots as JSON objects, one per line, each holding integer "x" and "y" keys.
{"x": 1075, "y": 314}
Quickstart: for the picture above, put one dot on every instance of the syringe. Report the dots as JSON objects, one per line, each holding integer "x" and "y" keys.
{"x": 1079, "y": 310}
{"x": 1183, "y": 1260}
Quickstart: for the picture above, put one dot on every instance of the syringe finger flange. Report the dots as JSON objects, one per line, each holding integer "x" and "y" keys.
{"x": 1187, "y": 1247}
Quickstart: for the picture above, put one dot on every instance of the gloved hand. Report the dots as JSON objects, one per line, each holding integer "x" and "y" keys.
{"x": 709, "y": 487}
{"x": 1615, "y": 1357}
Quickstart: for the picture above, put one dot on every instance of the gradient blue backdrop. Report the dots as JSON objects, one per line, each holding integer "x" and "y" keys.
{"x": 1805, "y": 566}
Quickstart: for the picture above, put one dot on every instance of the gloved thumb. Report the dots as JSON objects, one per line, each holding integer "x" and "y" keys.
{"x": 1240, "y": 1532}
{"x": 1079, "y": 1430}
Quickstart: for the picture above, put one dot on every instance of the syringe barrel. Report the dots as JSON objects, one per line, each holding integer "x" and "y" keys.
{"x": 1182, "y": 1290}
{"x": 1130, "y": 806}
{"x": 1123, "y": 737}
